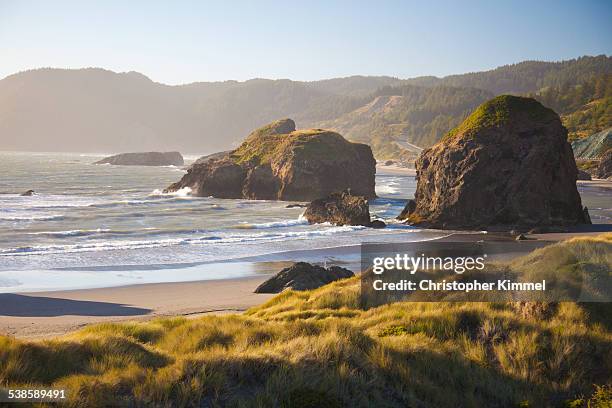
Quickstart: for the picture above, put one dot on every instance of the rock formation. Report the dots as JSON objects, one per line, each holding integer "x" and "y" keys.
{"x": 339, "y": 209}
{"x": 594, "y": 146}
{"x": 409, "y": 208}
{"x": 277, "y": 162}
{"x": 144, "y": 159}
{"x": 508, "y": 164}
{"x": 604, "y": 170}
{"x": 583, "y": 175}
{"x": 303, "y": 276}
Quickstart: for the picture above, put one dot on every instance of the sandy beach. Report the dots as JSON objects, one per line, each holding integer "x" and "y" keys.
{"x": 47, "y": 314}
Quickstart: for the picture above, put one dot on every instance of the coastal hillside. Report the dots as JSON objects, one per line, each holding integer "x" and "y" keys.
{"x": 594, "y": 146}
{"x": 585, "y": 105}
{"x": 95, "y": 110}
{"x": 400, "y": 120}
{"x": 420, "y": 111}
{"x": 526, "y": 76}
{"x": 318, "y": 348}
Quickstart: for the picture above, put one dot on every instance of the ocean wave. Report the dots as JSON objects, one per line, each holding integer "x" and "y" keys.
{"x": 274, "y": 224}
{"x": 389, "y": 188}
{"x": 27, "y": 218}
{"x": 203, "y": 240}
{"x": 41, "y": 201}
{"x": 71, "y": 233}
{"x": 175, "y": 168}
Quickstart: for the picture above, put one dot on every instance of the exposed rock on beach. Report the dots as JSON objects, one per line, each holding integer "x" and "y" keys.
{"x": 303, "y": 276}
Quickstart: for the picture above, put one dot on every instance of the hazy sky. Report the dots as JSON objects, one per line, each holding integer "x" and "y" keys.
{"x": 178, "y": 42}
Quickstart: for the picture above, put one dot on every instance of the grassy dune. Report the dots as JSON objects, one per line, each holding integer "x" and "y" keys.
{"x": 318, "y": 349}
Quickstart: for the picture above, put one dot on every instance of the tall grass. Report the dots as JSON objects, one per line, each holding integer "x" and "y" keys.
{"x": 318, "y": 349}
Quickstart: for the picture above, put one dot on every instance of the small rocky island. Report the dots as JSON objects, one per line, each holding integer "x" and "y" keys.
{"x": 278, "y": 162}
{"x": 508, "y": 165}
{"x": 144, "y": 159}
{"x": 341, "y": 209}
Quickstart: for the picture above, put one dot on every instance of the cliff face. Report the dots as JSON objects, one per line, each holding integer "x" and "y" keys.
{"x": 277, "y": 162}
{"x": 604, "y": 170}
{"x": 144, "y": 159}
{"x": 508, "y": 164}
{"x": 594, "y": 146}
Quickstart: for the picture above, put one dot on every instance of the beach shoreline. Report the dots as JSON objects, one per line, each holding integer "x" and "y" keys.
{"x": 49, "y": 314}
{"x": 39, "y": 315}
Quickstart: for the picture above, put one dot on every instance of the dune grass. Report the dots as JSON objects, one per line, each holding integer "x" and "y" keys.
{"x": 319, "y": 349}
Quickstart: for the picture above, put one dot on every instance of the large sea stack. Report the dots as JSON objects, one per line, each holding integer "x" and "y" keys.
{"x": 509, "y": 164}
{"x": 277, "y": 162}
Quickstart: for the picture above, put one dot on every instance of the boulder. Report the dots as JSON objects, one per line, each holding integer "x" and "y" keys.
{"x": 277, "y": 162}
{"x": 377, "y": 224}
{"x": 339, "y": 209}
{"x": 144, "y": 159}
{"x": 303, "y": 276}
{"x": 604, "y": 170}
{"x": 507, "y": 165}
{"x": 28, "y": 193}
{"x": 296, "y": 206}
{"x": 583, "y": 175}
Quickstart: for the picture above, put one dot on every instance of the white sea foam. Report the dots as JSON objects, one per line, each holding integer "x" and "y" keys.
{"x": 183, "y": 192}
{"x": 202, "y": 240}
{"x": 71, "y": 233}
{"x": 31, "y": 217}
{"x": 387, "y": 188}
{"x": 274, "y": 224}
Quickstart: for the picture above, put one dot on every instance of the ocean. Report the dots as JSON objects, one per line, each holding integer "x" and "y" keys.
{"x": 101, "y": 225}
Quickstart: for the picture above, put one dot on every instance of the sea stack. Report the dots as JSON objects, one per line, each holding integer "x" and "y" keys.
{"x": 144, "y": 159}
{"x": 339, "y": 209}
{"x": 278, "y": 162}
{"x": 508, "y": 165}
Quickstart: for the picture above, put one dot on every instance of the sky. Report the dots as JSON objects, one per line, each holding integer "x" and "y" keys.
{"x": 178, "y": 42}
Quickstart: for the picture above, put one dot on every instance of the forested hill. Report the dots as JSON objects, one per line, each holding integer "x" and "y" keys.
{"x": 420, "y": 111}
{"x": 103, "y": 111}
{"x": 527, "y": 76}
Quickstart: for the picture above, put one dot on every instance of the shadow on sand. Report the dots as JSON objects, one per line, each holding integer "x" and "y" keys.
{"x": 37, "y": 306}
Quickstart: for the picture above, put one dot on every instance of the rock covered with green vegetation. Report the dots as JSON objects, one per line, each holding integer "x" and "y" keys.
{"x": 509, "y": 164}
{"x": 278, "y": 162}
{"x": 144, "y": 159}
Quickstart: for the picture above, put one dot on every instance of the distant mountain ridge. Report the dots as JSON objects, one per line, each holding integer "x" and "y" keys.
{"x": 93, "y": 110}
